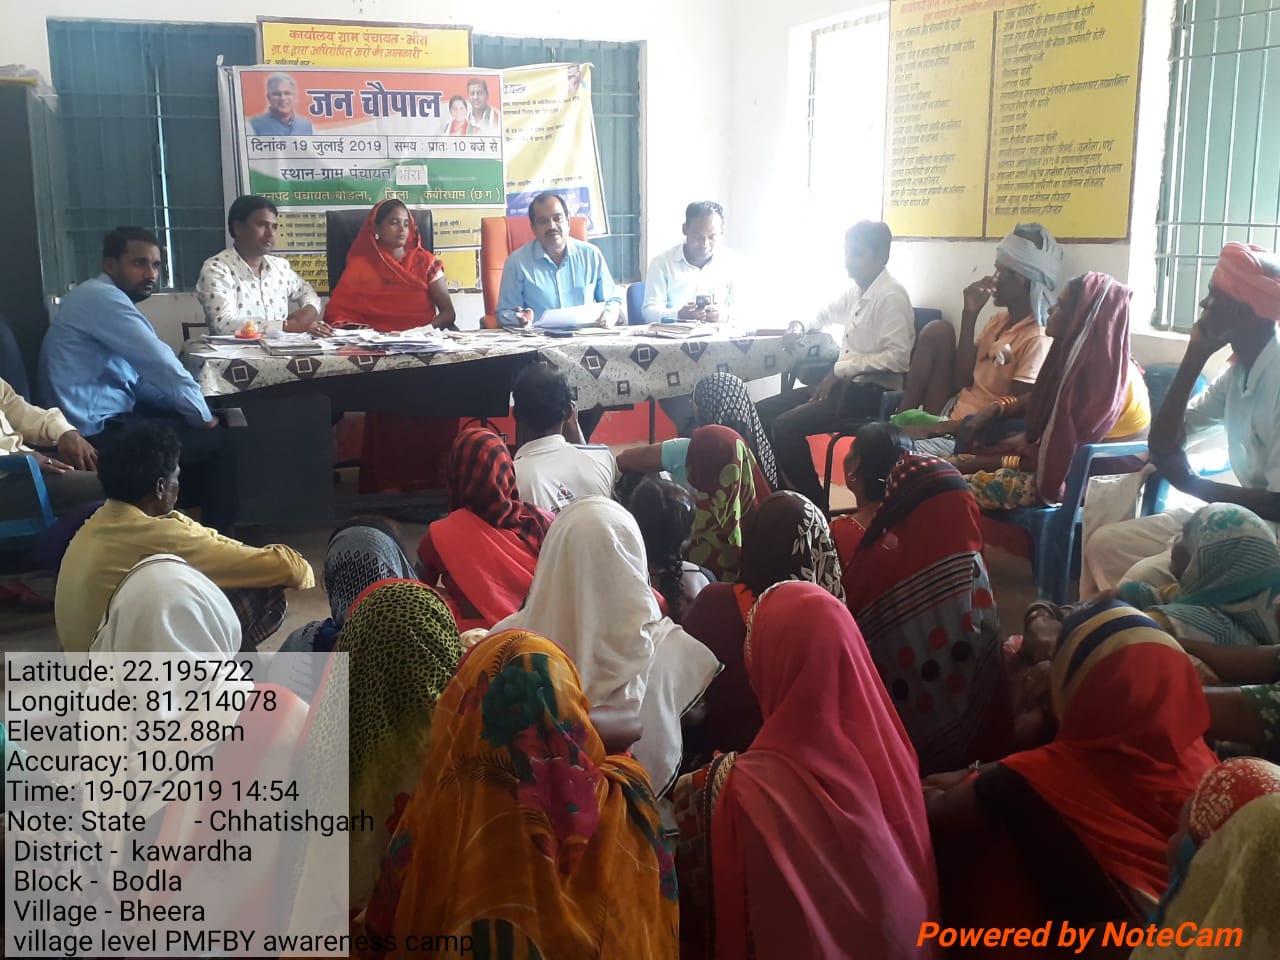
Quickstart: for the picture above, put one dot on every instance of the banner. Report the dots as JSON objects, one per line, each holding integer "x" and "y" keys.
{"x": 316, "y": 137}
{"x": 315, "y": 43}
{"x": 550, "y": 130}
{"x": 467, "y": 144}
{"x": 1052, "y": 142}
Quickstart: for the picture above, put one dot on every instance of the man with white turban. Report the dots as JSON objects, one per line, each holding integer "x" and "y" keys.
{"x": 1005, "y": 359}
{"x": 1242, "y": 309}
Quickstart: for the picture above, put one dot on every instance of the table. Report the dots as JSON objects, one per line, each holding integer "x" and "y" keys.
{"x": 286, "y": 453}
{"x": 605, "y": 369}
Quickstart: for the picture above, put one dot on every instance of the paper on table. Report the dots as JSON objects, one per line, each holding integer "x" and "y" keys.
{"x": 570, "y": 318}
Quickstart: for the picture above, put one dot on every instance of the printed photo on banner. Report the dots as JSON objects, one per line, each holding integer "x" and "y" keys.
{"x": 328, "y": 138}
{"x": 576, "y": 199}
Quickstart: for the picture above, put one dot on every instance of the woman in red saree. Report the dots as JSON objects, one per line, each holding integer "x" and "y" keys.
{"x": 813, "y": 842}
{"x": 919, "y": 589}
{"x": 391, "y": 282}
{"x": 1077, "y": 831}
{"x": 486, "y": 549}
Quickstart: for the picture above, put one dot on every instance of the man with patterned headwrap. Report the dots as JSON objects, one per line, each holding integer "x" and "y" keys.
{"x": 1006, "y": 357}
{"x": 1242, "y": 309}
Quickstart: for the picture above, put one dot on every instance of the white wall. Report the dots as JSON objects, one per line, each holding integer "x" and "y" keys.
{"x": 770, "y": 45}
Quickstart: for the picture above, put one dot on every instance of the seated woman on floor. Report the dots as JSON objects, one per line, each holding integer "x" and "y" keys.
{"x": 591, "y": 595}
{"x": 525, "y": 835}
{"x": 1224, "y": 875}
{"x": 391, "y": 283}
{"x": 1226, "y": 566}
{"x": 664, "y": 511}
{"x": 815, "y": 837}
{"x": 718, "y": 399}
{"x": 1077, "y": 830}
{"x": 484, "y": 552}
{"x": 875, "y": 449}
{"x": 164, "y": 605}
{"x": 1006, "y": 357}
{"x": 402, "y": 649}
{"x": 361, "y": 551}
{"x": 919, "y": 589}
{"x": 785, "y": 538}
{"x": 728, "y": 485}
{"x": 1089, "y": 390}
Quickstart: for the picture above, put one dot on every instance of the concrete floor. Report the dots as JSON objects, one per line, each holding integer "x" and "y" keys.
{"x": 34, "y": 630}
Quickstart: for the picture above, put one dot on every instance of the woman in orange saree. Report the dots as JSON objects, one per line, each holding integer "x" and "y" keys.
{"x": 392, "y": 282}
{"x": 524, "y": 837}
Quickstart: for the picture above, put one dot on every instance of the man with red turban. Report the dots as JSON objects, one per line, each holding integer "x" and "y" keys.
{"x": 1242, "y": 309}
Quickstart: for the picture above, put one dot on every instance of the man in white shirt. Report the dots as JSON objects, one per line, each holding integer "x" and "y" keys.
{"x": 485, "y": 117}
{"x": 244, "y": 283}
{"x": 875, "y": 354}
{"x": 70, "y": 470}
{"x": 695, "y": 282}
{"x": 553, "y": 466}
{"x": 1242, "y": 309}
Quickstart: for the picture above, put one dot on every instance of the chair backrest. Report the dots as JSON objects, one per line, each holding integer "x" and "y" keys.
{"x": 925, "y": 316}
{"x": 1159, "y": 378}
{"x": 341, "y": 227}
{"x": 499, "y": 236}
{"x": 635, "y": 303}
{"x": 12, "y": 370}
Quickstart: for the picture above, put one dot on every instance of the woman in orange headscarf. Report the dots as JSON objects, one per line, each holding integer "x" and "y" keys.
{"x": 392, "y": 282}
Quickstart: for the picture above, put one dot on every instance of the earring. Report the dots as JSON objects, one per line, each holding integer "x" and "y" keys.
{"x": 377, "y": 236}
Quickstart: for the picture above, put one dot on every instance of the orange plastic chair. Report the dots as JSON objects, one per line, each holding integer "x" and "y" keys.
{"x": 498, "y": 237}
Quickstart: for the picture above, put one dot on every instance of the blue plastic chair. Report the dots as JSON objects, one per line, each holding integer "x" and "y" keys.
{"x": 1159, "y": 378}
{"x": 1055, "y": 530}
{"x": 635, "y": 304}
{"x": 24, "y": 528}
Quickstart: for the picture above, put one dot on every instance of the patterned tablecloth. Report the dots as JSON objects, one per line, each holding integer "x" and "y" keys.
{"x": 609, "y": 369}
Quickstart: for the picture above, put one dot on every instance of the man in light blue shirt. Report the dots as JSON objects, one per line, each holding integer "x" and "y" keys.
{"x": 280, "y": 120}
{"x": 102, "y": 363}
{"x": 554, "y": 270}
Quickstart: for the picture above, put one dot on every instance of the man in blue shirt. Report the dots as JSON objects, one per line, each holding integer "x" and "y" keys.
{"x": 280, "y": 120}
{"x": 102, "y": 363}
{"x": 554, "y": 270}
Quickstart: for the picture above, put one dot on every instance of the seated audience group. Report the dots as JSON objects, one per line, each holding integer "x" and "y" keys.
{"x": 660, "y": 705}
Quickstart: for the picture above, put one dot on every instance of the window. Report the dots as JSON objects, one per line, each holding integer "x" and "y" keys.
{"x": 139, "y": 108}
{"x": 1223, "y": 146}
{"x": 848, "y": 89}
{"x": 615, "y": 99}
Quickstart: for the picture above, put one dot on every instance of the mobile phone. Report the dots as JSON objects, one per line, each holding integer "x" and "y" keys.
{"x": 703, "y": 300}
{"x": 231, "y": 417}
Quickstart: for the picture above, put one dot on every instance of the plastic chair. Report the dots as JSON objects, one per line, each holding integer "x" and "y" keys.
{"x": 42, "y": 519}
{"x": 1159, "y": 378}
{"x": 635, "y": 304}
{"x": 341, "y": 227}
{"x": 499, "y": 237}
{"x": 1054, "y": 531}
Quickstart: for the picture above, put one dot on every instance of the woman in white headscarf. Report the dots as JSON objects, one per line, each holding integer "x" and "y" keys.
{"x": 165, "y": 606}
{"x": 1001, "y": 362}
{"x": 591, "y": 595}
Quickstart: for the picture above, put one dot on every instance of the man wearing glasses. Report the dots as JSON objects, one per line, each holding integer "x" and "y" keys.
{"x": 554, "y": 270}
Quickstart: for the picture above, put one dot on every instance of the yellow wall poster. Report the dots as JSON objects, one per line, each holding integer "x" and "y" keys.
{"x": 1049, "y": 139}
{"x": 316, "y": 43}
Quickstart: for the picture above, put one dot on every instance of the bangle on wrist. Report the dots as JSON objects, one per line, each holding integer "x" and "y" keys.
{"x": 1012, "y": 462}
